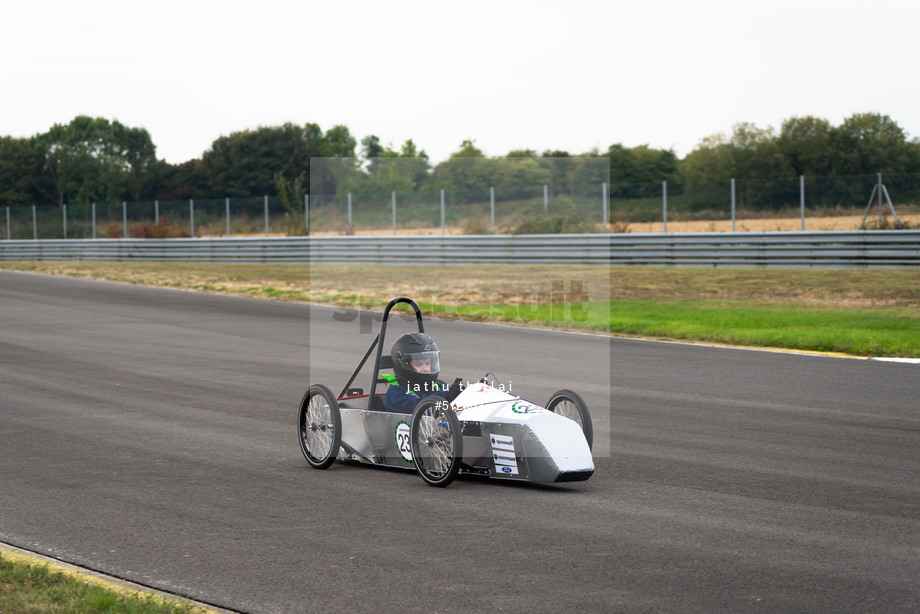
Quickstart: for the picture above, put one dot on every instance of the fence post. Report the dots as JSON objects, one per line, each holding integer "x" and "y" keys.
{"x": 492, "y": 206}
{"x": 545, "y": 200}
{"x": 664, "y": 204}
{"x": 34, "y": 224}
{"x": 7, "y": 223}
{"x": 733, "y": 204}
{"x": 94, "y": 220}
{"x": 228, "y": 216}
{"x": 802, "y": 198}
{"x": 124, "y": 219}
{"x": 604, "y": 205}
{"x": 266, "y": 215}
{"x": 880, "y": 210}
{"x": 64, "y": 210}
{"x": 156, "y": 213}
{"x": 306, "y": 212}
{"x": 442, "y": 212}
{"x": 394, "y": 212}
{"x": 349, "y": 212}
{"x": 191, "y": 216}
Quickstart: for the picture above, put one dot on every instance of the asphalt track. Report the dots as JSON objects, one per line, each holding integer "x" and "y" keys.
{"x": 149, "y": 434}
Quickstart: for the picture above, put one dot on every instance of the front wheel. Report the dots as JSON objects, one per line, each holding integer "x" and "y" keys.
{"x": 437, "y": 444}
{"x": 572, "y": 406}
{"x": 319, "y": 424}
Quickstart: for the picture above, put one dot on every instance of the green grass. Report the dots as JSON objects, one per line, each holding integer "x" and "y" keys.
{"x": 856, "y": 332}
{"x": 36, "y": 589}
{"x": 859, "y": 312}
{"x": 893, "y": 332}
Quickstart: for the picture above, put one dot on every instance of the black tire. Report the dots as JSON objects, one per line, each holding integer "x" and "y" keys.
{"x": 319, "y": 426}
{"x": 436, "y": 441}
{"x": 572, "y": 406}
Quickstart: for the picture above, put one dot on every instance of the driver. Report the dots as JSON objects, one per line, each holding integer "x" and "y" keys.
{"x": 416, "y": 367}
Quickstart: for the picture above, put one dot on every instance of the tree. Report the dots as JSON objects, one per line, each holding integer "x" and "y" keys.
{"x": 165, "y": 181}
{"x": 371, "y": 150}
{"x": 468, "y": 149}
{"x": 390, "y": 170}
{"x": 521, "y": 172}
{"x": 371, "y": 147}
{"x": 710, "y": 161}
{"x": 868, "y": 143}
{"x": 750, "y": 155}
{"x": 95, "y": 160}
{"x": 246, "y": 163}
{"x": 338, "y": 143}
{"x": 420, "y": 165}
{"x": 807, "y": 145}
{"x": 560, "y": 164}
{"x": 338, "y": 171}
{"x": 638, "y": 171}
{"x": 292, "y": 194}
{"x": 755, "y": 153}
{"x": 20, "y": 164}
{"x": 590, "y": 169}
{"x": 750, "y": 152}
{"x": 139, "y": 152}
{"x": 466, "y": 169}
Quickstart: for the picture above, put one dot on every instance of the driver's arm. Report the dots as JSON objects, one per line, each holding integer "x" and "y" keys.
{"x": 399, "y": 399}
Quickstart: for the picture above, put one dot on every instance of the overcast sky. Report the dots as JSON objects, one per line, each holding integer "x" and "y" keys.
{"x": 569, "y": 75}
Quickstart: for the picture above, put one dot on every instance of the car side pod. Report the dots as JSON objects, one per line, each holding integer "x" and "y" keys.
{"x": 556, "y": 449}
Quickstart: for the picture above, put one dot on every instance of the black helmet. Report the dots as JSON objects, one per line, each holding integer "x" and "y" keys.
{"x": 412, "y": 353}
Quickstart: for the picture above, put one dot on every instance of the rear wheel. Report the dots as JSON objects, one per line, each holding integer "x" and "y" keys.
{"x": 572, "y": 406}
{"x": 319, "y": 424}
{"x": 437, "y": 444}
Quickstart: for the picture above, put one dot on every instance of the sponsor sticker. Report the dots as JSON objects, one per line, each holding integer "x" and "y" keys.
{"x": 503, "y": 454}
{"x": 505, "y": 462}
{"x": 502, "y": 442}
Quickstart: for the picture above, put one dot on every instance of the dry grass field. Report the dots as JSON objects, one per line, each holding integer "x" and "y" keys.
{"x": 742, "y": 224}
{"x": 848, "y": 222}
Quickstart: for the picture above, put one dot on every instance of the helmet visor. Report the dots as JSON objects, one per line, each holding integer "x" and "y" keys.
{"x": 423, "y": 362}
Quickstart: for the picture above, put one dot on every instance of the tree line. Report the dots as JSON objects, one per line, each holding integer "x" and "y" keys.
{"x": 98, "y": 160}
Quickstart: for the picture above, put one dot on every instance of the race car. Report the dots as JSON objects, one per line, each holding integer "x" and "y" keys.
{"x": 484, "y": 430}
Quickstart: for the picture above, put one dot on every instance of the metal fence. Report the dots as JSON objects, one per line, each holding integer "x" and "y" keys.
{"x": 502, "y": 210}
{"x": 859, "y": 249}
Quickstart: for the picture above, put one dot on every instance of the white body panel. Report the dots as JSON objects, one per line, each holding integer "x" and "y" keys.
{"x": 504, "y": 436}
{"x": 562, "y": 439}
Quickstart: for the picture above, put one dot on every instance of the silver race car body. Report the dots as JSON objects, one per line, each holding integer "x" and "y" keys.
{"x": 483, "y": 431}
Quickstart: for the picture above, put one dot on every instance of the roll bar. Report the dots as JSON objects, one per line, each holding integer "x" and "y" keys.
{"x": 381, "y": 361}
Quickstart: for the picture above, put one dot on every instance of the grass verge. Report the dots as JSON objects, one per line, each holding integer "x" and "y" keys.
{"x": 37, "y": 589}
{"x": 859, "y": 312}
{"x": 892, "y": 332}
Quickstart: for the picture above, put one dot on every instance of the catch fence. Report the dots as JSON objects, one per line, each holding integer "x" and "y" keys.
{"x": 542, "y": 209}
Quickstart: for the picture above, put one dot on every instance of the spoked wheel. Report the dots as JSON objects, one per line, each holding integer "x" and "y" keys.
{"x": 572, "y": 406}
{"x": 320, "y": 426}
{"x": 437, "y": 445}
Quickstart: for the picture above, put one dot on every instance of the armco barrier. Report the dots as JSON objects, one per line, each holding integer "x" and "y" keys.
{"x": 848, "y": 249}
